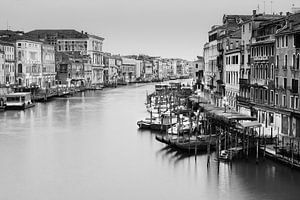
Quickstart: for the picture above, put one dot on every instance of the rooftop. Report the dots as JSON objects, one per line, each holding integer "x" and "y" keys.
{"x": 60, "y": 33}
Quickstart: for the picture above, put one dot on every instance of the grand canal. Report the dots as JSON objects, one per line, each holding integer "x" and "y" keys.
{"x": 88, "y": 147}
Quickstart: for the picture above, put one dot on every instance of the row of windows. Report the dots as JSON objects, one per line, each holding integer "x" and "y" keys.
{"x": 72, "y": 48}
{"x": 232, "y": 60}
{"x": 232, "y": 77}
{"x": 265, "y": 96}
{"x": 295, "y": 61}
{"x": 282, "y": 41}
{"x": 262, "y": 71}
{"x": 27, "y": 45}
{"x": 249, "y": 28}
{"x": 262, "y": 51}
{"x": 7, "y": 48}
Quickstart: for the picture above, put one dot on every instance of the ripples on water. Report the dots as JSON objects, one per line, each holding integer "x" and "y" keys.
{"x": 88, "y": 147}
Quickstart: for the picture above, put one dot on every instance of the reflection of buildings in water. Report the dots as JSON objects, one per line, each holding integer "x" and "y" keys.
{"x": 173, "y": 155}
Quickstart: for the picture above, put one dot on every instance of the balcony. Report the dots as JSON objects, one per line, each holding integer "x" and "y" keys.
{"x": 248, "y": 47}
{"x": 243, "y": 100}
{"x": 220, "y": 47}
{"x": 244, "y": 82}
{"x": 293, "y": 90}
{"x": 294, "y": 68}
{"x": 242, "y": 48}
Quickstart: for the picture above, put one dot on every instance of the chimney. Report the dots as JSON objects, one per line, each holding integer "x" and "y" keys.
{"x": 287, "y": 13}
{"x": 280, "y": 13}
{"x": 290, "y": 25}
{"x": 254, "y": 12}
{"x": 81, "y": 32}
{"x": 85, "y": 33}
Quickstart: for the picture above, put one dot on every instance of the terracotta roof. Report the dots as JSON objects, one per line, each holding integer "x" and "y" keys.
{"x": 6, "y": 43}
{"x": 59, "y": 33}
{"x": 13, "y": 36}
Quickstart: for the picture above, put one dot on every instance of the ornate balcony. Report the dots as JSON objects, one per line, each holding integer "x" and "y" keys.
{"x": 243, "y": 100}
{"x": 244, "y": 82}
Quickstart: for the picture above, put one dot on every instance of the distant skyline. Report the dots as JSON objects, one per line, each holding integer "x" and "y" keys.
{"x": 167, "y": 28}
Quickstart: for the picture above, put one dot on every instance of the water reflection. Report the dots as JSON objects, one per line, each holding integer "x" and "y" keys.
{"x": 88, "y": 147}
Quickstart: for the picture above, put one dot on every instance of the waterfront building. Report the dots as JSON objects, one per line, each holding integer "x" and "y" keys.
{"x": 128, "y": 69}
{"x": 74, "y": 41}
{"x": 110, "y": 70}
{"x": 48, "y": 66}
{"x": 32, "y": 61}
{"x": 29, "y": 62}
{"x": 232, "y": 57}
{"x": 138, "y": 69}
{"x": 263, "y": 83}
{"x": 118, "y": 63}
{"x": 7, "y": 65}
{"x": 247, "y": 29}
{"x": 148, "y": 66}
{"x": 198, "y": 72}
{"x": 214, "y": 56}
{"x": 70, "y": 68}
{"x": 287, "y": 74}
{"x": 2, "y": 61}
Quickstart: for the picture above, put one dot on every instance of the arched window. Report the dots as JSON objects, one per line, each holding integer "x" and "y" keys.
{"x": 298, "y": 61}
{"x": 261, "y": 72}
{"x": 272, "y": 72}
{"x": 294, "y": 60}
{"x": 20, "y": 68}
{"x": 19, "y": 55}
{"x": 242, "y": 73}
{"x": 267, "y": 74}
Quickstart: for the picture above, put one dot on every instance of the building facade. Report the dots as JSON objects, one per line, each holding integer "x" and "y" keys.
{"x": 74, "y": 41}
{"x": 29, "y": 63}
{"x": 48, "y": 66}
{"x": 7, "y": 76}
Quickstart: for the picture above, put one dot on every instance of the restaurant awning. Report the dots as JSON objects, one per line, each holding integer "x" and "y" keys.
{"x": 251, "y": 124}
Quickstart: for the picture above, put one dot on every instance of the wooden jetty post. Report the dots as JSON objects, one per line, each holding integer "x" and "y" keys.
{"x": 197, "y": 130}
{"x": 247, "y": 150}
{"x": 257, "y": 146}
{"x": 190, "y": 132}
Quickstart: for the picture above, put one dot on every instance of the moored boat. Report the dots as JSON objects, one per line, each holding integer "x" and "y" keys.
{"x": 19, "y": 101}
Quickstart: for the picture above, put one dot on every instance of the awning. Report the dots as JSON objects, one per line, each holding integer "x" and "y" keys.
{"x": 252, "y": 124}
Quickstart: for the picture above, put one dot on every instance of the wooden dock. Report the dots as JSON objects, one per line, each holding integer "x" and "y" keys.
{"x": 270, "y": 152}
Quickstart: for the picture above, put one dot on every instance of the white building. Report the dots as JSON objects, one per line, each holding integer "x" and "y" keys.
{"x": 88, "y": 45}
{"x": 68, "y": 40}
{"x": 232, "y": 71}
{"x": 48, "y": 66}
{"x": 7, "y": 72}
{"x": 128, "y": 69}
{"x": 29, "y": 62}
{"x": 2, "y": 61}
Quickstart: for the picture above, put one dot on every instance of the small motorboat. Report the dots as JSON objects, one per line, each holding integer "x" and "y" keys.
{"x": 224, "y": 155}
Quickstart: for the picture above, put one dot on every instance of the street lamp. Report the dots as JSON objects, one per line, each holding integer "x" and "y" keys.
{"x": 225, "y": 103}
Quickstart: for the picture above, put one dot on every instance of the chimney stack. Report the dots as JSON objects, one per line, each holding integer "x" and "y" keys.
{"x": 280, "y": 13}
{"x": 287, "y": 13}
{"x": 254, "y": 12}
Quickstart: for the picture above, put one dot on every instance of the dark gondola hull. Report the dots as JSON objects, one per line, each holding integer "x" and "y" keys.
{"x": 153, "y": 126}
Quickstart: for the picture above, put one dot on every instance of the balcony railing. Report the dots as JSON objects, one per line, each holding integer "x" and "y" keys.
{"x": 244, "y": 81}
{"x": 294, "y": 68}
{"x": 241, "y": 99}
{"x": 220, "y": 47}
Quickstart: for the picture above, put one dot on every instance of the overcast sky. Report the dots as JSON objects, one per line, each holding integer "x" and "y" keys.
{"x": 167, "y": 28}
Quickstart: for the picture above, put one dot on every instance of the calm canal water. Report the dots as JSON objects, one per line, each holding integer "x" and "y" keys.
{"x": 88, "y": 147}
